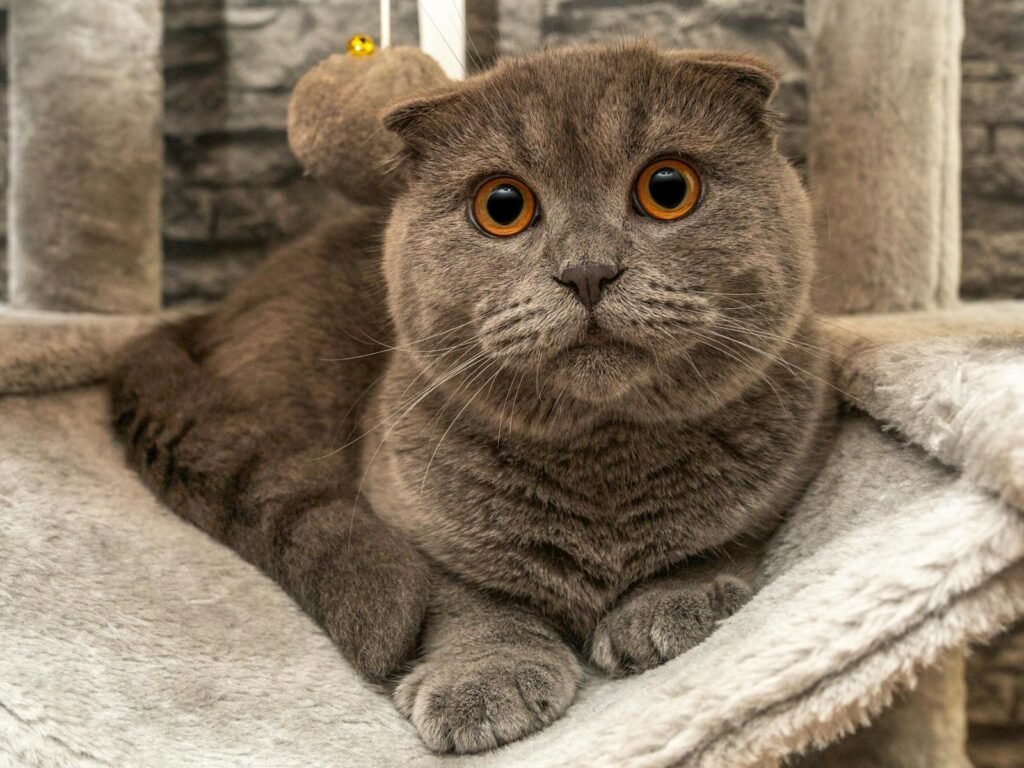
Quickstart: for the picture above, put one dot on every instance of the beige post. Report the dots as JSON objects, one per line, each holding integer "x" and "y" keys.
{"x": 885, "y": 180}
{"x": 86, "y": 104}
{"x": 924, "y": 728}
{"x": 885, "y": 152}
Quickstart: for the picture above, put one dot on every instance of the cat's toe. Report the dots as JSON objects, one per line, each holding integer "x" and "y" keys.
{"x": 684, "y": 621}
{"x": 657, "y": 625}
{"x": 730, "y": 593}
{"x": 622, "y": 644}
{"x": 471, "y": 707}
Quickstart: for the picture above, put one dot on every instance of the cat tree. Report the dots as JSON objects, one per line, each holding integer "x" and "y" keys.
{"x": 884, "y": 153}
{"x": 86, "y": 148}
{"x": 137, "y": 636}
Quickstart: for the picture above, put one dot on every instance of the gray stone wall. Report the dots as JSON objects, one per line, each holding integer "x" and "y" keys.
{"x": 993, "y": 142}
{"x": 232, "y": 188}
{"x": 992, "y": 123}
{"x": 995, "y": 702}
{"x": 774, "y": 28}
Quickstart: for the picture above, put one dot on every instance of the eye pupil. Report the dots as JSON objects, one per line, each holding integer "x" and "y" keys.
{"x": 504, "y": 204}
{"x": 667, "y": 187}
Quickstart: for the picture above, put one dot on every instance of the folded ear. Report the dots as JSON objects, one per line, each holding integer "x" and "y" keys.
{"x": 334, "y": 123}
{"x": 748, "y": 80}
{"x": 426, "y": 121}
{"x": 756, "y": 76}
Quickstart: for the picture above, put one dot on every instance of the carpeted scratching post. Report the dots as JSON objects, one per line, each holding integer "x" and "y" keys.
{"x": 885, "y": 181}
{"x": 885, "y": 152}
{"x": 924, "y": 728}
{"x": 86, "y": 104}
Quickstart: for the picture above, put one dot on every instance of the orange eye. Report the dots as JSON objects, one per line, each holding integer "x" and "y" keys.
{"x": 504, "y": 206}
{"x": 667, "y": 190}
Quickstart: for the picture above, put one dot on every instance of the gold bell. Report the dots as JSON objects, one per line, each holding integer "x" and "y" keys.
{"x": 361, "y": 45}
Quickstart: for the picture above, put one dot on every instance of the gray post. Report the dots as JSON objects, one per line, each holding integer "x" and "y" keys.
{"x": 885, "y": 152}
{"x": 86, "y": 104}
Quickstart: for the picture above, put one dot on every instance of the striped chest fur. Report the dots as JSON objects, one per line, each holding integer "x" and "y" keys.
{"x": 569, "y": 525}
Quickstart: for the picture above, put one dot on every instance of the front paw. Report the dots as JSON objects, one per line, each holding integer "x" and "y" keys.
{"x": 662, "y": 622}
{"x": 469, "y": 705}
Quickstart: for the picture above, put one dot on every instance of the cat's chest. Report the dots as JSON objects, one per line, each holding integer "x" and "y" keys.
{"x": 568, "y": 529}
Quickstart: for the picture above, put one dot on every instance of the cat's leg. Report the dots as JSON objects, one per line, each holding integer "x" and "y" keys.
{"x": 241, "y": 476}
{"x": 492, "y": 673}
{"x": 665, "y": 617}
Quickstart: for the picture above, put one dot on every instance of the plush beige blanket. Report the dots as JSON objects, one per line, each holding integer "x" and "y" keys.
{"x": 129, "y": 638}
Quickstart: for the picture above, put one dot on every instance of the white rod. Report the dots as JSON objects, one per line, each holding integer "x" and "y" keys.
{"x": 443, "y": 34}
{"x": 385, "y": 23}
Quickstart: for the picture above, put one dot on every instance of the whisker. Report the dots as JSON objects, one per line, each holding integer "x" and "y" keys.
{"x": 501, "y": 415}
{"x": 820, "y": 352}
{"x": 427, "y": 368}
{"x": 376, "y": 451}
{"x": 352, "y": 407}
{"x": 791, "y": 367}
{"x": 430, "y": 463}
{"x": 761, "y": 374}
{"x": 704, "y": 381}
{"x": 415, "y": 401}
{"x": 389, "y": 347}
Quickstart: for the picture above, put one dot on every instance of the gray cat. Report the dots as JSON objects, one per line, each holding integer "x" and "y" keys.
{"x": 552, "y": 415}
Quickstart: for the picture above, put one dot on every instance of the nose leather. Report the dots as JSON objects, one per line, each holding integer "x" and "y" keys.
{"x": 588, "y": 281}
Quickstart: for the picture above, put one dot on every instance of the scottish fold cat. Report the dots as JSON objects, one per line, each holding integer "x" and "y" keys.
{"x": 536, "y": 413}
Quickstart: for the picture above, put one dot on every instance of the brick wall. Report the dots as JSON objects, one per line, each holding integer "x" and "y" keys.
{"x": 995, "y": 711}
{"x": 993, "y": 141}
{"x": 232, "y": 187}
{"x": 992, "y": 123}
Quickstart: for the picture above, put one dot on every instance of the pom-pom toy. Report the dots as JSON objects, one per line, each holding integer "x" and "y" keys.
{"x": 334, "y": 118}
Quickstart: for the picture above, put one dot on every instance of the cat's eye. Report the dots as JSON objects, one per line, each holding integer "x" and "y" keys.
{"x": 666, "y": 190}
{"x": 504, "y": 206}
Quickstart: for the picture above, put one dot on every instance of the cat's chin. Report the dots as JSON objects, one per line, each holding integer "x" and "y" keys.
{"x": 601, "y": 373}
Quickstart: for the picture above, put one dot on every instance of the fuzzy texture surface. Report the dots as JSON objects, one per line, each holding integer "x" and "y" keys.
{"x": 334, "y": 125}
{"x": 885, "y": 153}
{"x": 86, "y": 155}
{"x": 51, "y": 350}
{"x": 117, "y": 651}
{"x": 965, "y": 405}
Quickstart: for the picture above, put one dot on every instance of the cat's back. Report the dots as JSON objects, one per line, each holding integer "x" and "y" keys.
{"x": 310, "y": 323}
{"x": 290, "y": 351}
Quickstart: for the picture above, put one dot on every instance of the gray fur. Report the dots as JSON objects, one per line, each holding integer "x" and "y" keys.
{"x": 561, "y": 495}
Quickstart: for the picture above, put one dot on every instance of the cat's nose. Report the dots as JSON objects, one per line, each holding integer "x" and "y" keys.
{"x": 588, "y": 281}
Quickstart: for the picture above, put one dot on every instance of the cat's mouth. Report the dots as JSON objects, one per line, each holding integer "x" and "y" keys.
{"x": 599, "y": 352}
{"x": 596, "y": 336}
{"x": 596, "y": 339}
{"x": 598, "y": 367}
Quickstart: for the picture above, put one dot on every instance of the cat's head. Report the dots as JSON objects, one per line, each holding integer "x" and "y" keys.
{"x": 605, "y": 220}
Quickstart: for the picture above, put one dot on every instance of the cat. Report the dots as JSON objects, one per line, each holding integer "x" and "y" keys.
{"x": 541, "y": 408}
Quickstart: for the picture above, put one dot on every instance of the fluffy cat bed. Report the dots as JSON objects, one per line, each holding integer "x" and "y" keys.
{"x": 130, "y": 638}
